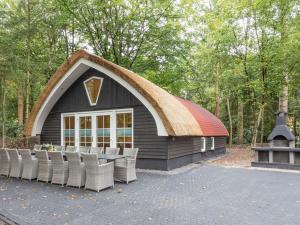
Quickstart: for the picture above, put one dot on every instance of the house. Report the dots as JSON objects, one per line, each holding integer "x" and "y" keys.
{"x": 90, "y": 101}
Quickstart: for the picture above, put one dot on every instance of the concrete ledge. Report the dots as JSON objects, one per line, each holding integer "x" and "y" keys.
{"x": 276, "y": 165}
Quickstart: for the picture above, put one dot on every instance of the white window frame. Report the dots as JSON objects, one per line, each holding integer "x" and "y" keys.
{"x": 212, "y": 143}
{"x": 203, "y": 149}
{"x": 62, "y": 119}
{"x": 113, "y": 121}
{"x": 87, "y": 92}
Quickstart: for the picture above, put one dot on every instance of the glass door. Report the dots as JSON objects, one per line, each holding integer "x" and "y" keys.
{"x": 85, "y": 131}
{"x": 103, "y": 130}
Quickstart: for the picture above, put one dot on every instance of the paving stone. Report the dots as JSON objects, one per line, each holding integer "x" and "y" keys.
{"x": 206, "y": 195}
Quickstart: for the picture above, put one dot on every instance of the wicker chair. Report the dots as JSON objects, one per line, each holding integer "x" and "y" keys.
{"x": 30, "y": 164}
{"x": 84, "y": 149}
{"x": 4, "y": 162}
{"x": 96, "y": 150}
{"x": 37, "y": 147}
{"x": 15, "y": 163}
{"x": 98, "y": 177}
{"x": 125, "y": 168}
{"x": 113, "y": 151}
{"x": 59, "y": 167}
{"x": 70, "y": 148}
{"x": 45, "y": 166}
{"x": 76, "y": 170}
{"x": 58, "y": 148}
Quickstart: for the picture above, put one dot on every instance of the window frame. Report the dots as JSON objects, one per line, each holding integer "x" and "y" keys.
{"x": 63, "y": 116}
{"x": 203, "y": 149}
{"x": 87, "y": 92}
{"x": 94, "y": 114}
{"x": 212, "y": 143}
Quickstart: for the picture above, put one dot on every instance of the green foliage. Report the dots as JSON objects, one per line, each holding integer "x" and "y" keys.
{"x": 206, "y": 51}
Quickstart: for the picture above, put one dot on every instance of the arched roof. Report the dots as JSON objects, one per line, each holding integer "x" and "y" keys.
{"x": 173, "y": 116}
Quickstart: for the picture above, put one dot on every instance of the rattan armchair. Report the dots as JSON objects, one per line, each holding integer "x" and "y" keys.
{"x": 4, "y": 162}
{"x": 45, "y": 166}
{"x": 98, "y": 177}
{"x": 59, "y": 167}
{"x": 125, "y": 168}
{"x": 76, "y": 170}
{"x": 15, "y": 163}
{"x": 84, "y": 149}
{"x": 113, "y": 151}
{"x": 96, "y": 150}
{"x": 37, "y": 147}
{"x": 70, "y": 148}
{"x": 58, "y": 148}
{"x": 30, "y": 164}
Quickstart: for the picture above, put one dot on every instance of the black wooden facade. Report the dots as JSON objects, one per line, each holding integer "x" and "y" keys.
{"x": 155, "y": 152}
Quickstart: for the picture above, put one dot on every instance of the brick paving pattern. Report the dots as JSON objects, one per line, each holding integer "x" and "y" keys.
{"x": 208, "y": 195}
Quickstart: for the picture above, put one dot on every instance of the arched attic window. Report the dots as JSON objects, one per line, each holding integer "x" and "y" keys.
{"x": 93, "y": 87}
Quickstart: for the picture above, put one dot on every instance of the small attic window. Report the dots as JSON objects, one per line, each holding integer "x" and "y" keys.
{"x": 93, "y": 88}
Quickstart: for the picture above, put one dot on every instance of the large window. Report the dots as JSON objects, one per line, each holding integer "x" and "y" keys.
{"x": 93, "y": 87}
{"x": 124, "y": 130}
{"x": 85, "y": 131}
{"x": 103, "y": 131}
{"x": 109, "y": 128}
{"x": 69, "y": 130}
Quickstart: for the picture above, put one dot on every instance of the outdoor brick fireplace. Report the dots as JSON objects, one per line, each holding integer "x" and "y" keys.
{"x": 281, "y": 152}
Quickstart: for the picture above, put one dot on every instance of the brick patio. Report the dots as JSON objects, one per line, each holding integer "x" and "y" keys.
{"x": 202, "y": 195}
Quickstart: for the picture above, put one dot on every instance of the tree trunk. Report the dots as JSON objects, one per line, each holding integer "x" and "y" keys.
{"x": 217, "y": 93}
{"x": 256, "y": 126}
{"x": 230, "y": 123}
{"x": 262, "y": 126}
{"x": 240, "y": 123}
{"x": 3, "y": 113}
{"x": 283, "y": 97}
{"x": 20, "y": 108}
{"x": 28, "y": 59}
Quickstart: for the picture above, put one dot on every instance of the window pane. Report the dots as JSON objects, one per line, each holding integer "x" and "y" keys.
{"x": 82, "y": 122}
{"x": 128, "y": 145}
{"x": 100, "y": 139}
{"x": 128, "y": 120}
{"x": 128, "y": 139}
{"x": 82, "y": 132}
{"x": 120, "y": 139}
{"x": 128, "y": 132}
{"x": 88, "y": 122}
{"x": 106, "y": 132}
{"x": 72, "y": 122}
{"x": 88, "y": 139}
{"x": 120, "y": 120}
{"x": 93, "y": 88}
{"x": 100, "y": 132}
{"x": 67, "y": 124}
{"x": 100, "y": 121}
{"x": 107, "y": 121}
{"x": 120, "y": 132}
{"x": 88, "y": 132}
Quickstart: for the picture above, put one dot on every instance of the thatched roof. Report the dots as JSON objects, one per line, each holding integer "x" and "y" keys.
{"x": 179, "y": 117}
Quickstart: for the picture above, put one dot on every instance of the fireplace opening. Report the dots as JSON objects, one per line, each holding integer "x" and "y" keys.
{"x": 280, "y": 141}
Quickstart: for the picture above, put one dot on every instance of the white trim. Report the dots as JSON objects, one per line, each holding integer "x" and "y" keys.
{"x": 87, "y": 92}
{"x": 212, "y": 143}
{"x": 62, "y": 135}
{"x": 70, "y": 77}
{"x": 203, "y": 149}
